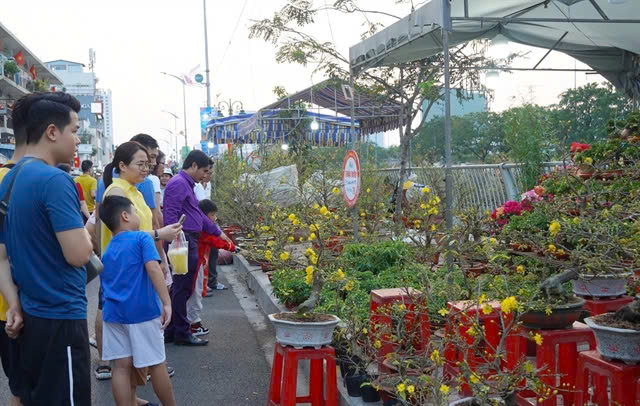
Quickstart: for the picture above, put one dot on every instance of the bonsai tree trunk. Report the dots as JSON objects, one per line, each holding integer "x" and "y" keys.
{"x": 310, "y": 304}
{"x": 630, "y": 312}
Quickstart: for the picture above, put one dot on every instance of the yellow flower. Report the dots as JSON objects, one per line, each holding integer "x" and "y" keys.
{"x": 309, "y": 251}
{"x": 443, "y": 312}
{"x": 268, "y": 255}
{"x": 435, "y": 200}
{"x": 349, "y": 286}
{"x": 417, "y": 223}
{"x": 292, "y": 217}
{"x": 520, "y": 269}
{"x": 400, "y": 388}
{"x": 411, "y": 389}
{"x": 472, "y": 331}
{"x": 362, "y": 214}
{"x": 474, "y": 378}
{"x": 312, "y": 236}
{"x": 336, "y": 191}
{"x": 309, "y": 278}
{"x": 487, "y": 309}
{"x": 444, "y": 389}
{"x": 314, "y": 227}
{"x": 426, "y": 190}
{"x": 435, "y": 357}
{"x": 377, "y": 344}
{"x": 493, "y": 241}
{"x": 336, "y": 217}
{"x": 265, "y": 228}
{"x": 313, "y": 259}
{"x": 340, "y": 232}
{"x": 300, "y": 239}
{"x": 290, "y": 239}
{"x": 368, "y": 190}
{"x": 284, "y": 256}
{"x": 324, "y": 211}
{"x": 509, "y": 304}
{"x": 423, "y": 206}
{"x": 406, "y": 185}
{"x": 316, "y": 206}
{"x": 548, "y": 311}
{"x": 434, "y": 210}
{"x": 551, "y": 248}
{"x": 433, "y": 227}
{"x": 576, "y": 221}
{"x": 270, "y": 243}
{"x": 554, "y": 228}
{"x": 528, "y": 367}
{"x": 365, "y": 331}
{"x": 588, "y": 160}
{"x": 482, "y": 298}
{"x": 340, "y": 274}
{"x": 537, "y": 338}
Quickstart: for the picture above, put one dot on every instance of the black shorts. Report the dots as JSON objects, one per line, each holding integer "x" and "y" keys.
{"x": 10, "y": 356}
{"x": 54, "y": 362}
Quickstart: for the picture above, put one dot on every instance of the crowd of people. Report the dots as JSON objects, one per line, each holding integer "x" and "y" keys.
{"x": 52, "y": 227}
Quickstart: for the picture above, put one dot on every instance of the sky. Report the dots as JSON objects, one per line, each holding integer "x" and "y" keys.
{"x": 135, "y": 40}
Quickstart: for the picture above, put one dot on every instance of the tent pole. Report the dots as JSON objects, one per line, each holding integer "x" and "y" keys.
{"x": 447, "y": 121}
{"x": 354, "y": 215}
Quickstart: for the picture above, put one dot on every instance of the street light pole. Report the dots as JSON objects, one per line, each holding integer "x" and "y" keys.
{"x": 175, "y": 130}
{"x": 206, "y": 52}
{"x": 184, "y": 103}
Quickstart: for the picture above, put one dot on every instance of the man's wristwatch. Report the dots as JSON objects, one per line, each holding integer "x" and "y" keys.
{"x": 156, "y": 236}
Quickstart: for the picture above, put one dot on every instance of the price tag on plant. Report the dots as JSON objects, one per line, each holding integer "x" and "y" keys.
{"x": 351, "y": 178}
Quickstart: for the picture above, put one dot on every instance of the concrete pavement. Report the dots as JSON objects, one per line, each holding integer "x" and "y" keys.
{"x": 232, "y": 370}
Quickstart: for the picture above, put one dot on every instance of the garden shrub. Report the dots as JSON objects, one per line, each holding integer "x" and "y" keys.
{"x": 375, "y": 258}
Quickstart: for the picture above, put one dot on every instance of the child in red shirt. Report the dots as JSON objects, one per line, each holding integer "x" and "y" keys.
{"x": 205, "y": 244}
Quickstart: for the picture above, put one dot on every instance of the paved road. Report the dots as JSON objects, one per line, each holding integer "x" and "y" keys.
{"x": 231, "y": 371}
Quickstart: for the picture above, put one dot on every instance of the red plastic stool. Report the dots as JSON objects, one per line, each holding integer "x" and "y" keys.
{"x": 596, "y": 307}
{"x": 560, "y": 364}
{"x": 383, "y": 298}
{"x": 283, "y": 386}
{"x": 624, "y": 380}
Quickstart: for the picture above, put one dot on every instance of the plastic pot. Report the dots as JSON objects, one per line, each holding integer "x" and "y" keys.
{"x": 613, "y": 343}
{"x": 369, "y": 394}
{"x": 560, "y": 317}
{"x": 601, "y": 286}
{"x": 353, "y": 385}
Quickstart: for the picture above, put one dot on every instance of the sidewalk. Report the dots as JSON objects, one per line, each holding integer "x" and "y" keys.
{"x": 231, "y": 370}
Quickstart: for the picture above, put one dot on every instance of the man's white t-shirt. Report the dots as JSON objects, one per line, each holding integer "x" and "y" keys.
{"x": 156, "y": 183}
{"x": 202, "y": 192}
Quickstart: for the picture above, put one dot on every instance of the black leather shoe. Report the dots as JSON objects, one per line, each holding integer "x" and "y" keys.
{"x": 191, "y": 341}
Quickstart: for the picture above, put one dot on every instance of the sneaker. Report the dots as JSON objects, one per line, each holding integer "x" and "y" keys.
{"x": 220, "y": 286}
{"x": 170, "y": 371}
{"x": 93, "y": 342}
{"x": 103, "y": 372}
{"x": 199, "y": 330}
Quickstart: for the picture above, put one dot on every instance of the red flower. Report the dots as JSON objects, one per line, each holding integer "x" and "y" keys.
{"x": 512, "y": 207}
{"x": 578, "y": 147}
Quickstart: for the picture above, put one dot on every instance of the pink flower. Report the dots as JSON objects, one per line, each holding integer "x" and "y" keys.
{"x": 512, "y": 207}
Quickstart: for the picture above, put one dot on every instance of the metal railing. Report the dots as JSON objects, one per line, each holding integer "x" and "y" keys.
{"x": 483, "y": 186}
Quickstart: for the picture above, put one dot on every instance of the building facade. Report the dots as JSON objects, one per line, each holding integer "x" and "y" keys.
{"x": 21, "y": 72}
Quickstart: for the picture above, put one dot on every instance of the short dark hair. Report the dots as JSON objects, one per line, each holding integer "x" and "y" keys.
{"x": 86, "y": 165}
{"x": 111, "y": 208}
{"x": 207, "y": 206}
{"x": 64, "y": 167}
{"x": 46, "y": 109}
{"x": 145, "y": 140}
{"x": 19, "y": 113}
{"x": 198, "y": 157}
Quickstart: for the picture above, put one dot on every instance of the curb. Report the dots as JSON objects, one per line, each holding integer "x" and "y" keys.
{"x": 259, "y": 285}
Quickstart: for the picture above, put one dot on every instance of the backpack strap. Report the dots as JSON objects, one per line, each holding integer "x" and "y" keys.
{"x": 4, "y": 204}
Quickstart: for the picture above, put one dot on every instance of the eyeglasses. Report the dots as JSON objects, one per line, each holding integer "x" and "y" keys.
{"x": 142, "y": 165}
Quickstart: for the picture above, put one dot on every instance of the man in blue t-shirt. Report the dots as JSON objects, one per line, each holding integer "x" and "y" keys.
{"x": 45, "y": 238}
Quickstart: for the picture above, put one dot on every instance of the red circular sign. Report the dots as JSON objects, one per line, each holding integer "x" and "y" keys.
{"x": 351, "y": 178}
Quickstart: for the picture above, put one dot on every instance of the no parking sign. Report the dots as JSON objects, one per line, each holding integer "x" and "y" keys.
{"x": 351, "y": 178}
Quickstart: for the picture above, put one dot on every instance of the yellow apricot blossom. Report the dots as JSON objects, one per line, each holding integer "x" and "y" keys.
{"x": 268, "y": 255}
{"x": 336, "y": 191}
{"x": 538, "y": 339}
{"x": 554, "y": 228}
{"x": 509, "y": 304}
{"x": 444, "y": 389}
{"x": 324, "y": 211}
{"x": 426, "y": 190}
{"x": 284, "y": 256}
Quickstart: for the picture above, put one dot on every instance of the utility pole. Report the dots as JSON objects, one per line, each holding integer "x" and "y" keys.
{"x": 206, "y": 52}
{"x": 184, "y": 103}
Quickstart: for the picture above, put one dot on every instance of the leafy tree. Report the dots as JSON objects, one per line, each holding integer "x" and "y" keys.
{"x": 582, "y": 113}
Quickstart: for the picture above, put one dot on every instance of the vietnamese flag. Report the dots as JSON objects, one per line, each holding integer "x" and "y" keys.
{"x": 32, "y": 71}
{"x": 19, "y": 57}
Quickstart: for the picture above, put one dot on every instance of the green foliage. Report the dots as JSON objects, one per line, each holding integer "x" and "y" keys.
{"x": 289, "y": 286}
{"x": 375, "y": 258}
{"x": 10, "y": 68}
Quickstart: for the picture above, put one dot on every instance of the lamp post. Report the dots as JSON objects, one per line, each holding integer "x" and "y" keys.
{"x": 171, "y": 139}
{"x": 184, "y": 103}
{"x": 230, "y": 105}
{"x": 175, "y": 129}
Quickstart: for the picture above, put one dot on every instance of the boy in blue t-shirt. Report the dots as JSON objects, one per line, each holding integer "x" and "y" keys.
{"x": 136, "y": 305}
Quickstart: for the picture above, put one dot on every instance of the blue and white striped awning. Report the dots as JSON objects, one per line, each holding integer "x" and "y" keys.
{"x": 271, "y": 128}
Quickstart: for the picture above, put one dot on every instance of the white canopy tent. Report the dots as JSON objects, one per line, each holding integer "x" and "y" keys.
{"x": 601, "y": 33}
